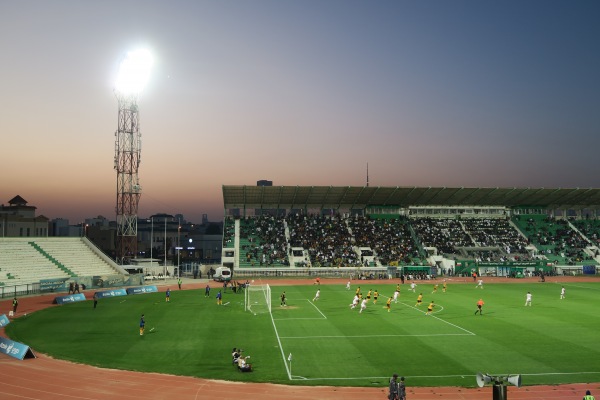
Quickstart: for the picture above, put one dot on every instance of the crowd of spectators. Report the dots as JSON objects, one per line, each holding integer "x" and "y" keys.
{"x": 590, "y": 229}
{"x": 265, "y": 241}
{"x": 444, "y": 234}
{"x": 327, "y": 239}
{"x": 228, "y": 232}
{"x": 491, "y": 232}
{"x": 389, "y": 239}
{"x": 350, "y": 241}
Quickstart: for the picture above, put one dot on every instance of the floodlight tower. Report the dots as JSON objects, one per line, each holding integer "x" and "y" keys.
{"x": 133, "y": 75}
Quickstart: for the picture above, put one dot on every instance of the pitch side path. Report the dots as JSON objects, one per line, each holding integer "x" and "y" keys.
{"x": 45, "y": 378}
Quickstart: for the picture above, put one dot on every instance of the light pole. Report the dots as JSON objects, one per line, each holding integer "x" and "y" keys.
{"x": 151, "y": 240}
{"x": 165, "y": 247}
{"x": 190, "y": 253}
{"x": 178, "y": 247}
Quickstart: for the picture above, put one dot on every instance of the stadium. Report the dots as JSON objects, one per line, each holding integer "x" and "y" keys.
{"x": 294, "y": 239}
{"x": 467, "y": 267}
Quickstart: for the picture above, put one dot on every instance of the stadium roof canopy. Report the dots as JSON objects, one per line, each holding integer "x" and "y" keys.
{"x": 359, "y": 197}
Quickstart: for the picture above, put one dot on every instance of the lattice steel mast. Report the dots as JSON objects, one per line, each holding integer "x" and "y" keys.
{"x": 128, "y": 148}
{"x": 133, "y": 75}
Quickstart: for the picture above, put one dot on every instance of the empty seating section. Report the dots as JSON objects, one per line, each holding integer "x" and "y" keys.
{"x": 348, "y": 241}
{"x": 27, "y": 260}
{"x": 75, "y": 255}
{"x": 21, "y": 263}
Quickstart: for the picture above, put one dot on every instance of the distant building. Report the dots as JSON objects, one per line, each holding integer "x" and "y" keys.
{"x": 185, "y": 242}
{"x": 18, "y": 219}
{"x": 59, "y": 227}
{"x": 102, "y": 233}
{"x": 99, "y": 221}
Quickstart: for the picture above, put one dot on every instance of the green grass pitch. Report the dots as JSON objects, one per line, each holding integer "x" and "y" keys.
{"x": 553, "y": 341}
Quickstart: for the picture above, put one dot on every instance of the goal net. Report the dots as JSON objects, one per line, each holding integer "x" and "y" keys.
{"x": 258, "y": 298}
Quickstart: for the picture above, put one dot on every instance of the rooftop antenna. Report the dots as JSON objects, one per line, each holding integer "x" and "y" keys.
{"x": 367, "y": 174}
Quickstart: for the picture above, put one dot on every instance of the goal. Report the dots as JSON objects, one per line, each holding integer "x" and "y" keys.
{"x": 257, "y": 298}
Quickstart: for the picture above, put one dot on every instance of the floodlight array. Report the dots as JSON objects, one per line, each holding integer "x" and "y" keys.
{"x": 134, "y": 72}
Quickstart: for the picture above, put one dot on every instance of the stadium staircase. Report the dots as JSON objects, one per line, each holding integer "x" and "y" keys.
{"x": 53, "y": 260}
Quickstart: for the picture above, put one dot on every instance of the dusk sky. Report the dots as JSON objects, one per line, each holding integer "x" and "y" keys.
{"x": 428, "y": 93}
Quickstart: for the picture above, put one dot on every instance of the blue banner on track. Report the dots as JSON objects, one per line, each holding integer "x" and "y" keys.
{"x": 15, "y": 349}
{"x": 4, "y": 320}
{"x": 142, "y": 289}
{"x": 69, "y": 299}
{"x": 111, "y": 293}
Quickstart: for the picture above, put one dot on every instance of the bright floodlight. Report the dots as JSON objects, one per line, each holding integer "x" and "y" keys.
{"x": 134, "y": 72}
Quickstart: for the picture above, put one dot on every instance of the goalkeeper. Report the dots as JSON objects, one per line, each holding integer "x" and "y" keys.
{"x": 283, "y": 300}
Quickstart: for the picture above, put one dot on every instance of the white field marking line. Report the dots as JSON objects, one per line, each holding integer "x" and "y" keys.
{"x": 317, "y": 308}
{"x": 381, "y": 377}
{"x": 439, "y": 376}
{"x": 562, "y": 373}
{"x": 439, "y": 319}
{"x": 301, "y": 318}
{"x": 296, "y": 319}
{"x": 285, "y": 361}
{"x": 576, "y": 286}
{"x": 374, "y": 336}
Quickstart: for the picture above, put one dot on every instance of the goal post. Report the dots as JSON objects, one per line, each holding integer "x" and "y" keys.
{"x": 257, "y": 298}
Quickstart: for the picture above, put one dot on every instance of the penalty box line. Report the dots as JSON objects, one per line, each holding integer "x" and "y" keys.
{"x": 322, "y": 317}
{"x": 375, "y": 336}
{"x": 287, "y": 361}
